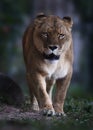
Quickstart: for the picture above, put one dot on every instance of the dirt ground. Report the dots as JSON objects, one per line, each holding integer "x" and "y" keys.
{"x": 79, "y": 113}
{"x": 12, "y": 113}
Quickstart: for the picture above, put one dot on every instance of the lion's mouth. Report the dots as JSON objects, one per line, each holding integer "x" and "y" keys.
{"x": 51, "y": 56}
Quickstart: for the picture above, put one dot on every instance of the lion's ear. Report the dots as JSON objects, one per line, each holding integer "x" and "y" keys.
{"x": 68, "y": 21}
{"x": 39, "y": 18}
{"x": 40, "y": 15}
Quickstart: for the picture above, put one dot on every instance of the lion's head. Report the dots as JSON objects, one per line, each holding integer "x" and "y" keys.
{"x": 51, "y": 35}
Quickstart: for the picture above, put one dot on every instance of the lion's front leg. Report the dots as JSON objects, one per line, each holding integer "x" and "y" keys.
{"x": 38, "y": 84}
{"x": 50, "y": 86}
{"x": 61, "y": 90}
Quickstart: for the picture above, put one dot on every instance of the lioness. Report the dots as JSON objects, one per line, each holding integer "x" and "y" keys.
{"x": 48, "y": 55}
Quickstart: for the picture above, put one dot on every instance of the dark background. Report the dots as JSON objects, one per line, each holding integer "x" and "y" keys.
{"x": 15, "y": 15}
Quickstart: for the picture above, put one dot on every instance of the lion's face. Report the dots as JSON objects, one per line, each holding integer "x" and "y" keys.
{"x": 52, "y": 36}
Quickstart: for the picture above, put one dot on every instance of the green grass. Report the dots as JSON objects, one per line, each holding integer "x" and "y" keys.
{"x": 79, "y": 109}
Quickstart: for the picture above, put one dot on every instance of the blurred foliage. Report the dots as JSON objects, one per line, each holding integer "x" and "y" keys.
{"x": 11, "y": 20}
{"x": 85, "y": 9}
{"x": 11, "y": 12}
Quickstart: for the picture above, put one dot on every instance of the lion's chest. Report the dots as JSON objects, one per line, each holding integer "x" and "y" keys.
{"x": 61, "y": 71}
{"x": 57, "y": 70}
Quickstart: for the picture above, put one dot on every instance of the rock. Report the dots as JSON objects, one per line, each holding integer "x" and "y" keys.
{"x": 10, "y": 92}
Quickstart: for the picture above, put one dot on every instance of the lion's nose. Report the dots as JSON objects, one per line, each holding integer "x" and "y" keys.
{"x": 53, "y": 47}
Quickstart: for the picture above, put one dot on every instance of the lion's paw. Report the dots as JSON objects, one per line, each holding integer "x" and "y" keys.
{"x": 60, "y": 114}
{"x": 48, "y": 112}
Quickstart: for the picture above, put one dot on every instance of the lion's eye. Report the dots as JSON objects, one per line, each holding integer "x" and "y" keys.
{"x": 61, "y": 36}
{"x": 44, "y": 34}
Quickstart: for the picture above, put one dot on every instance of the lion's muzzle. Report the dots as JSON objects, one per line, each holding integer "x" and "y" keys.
{"x": 51, "y": 56}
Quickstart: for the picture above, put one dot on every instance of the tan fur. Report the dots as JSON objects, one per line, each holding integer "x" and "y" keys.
{"x": 46, "y": 32}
